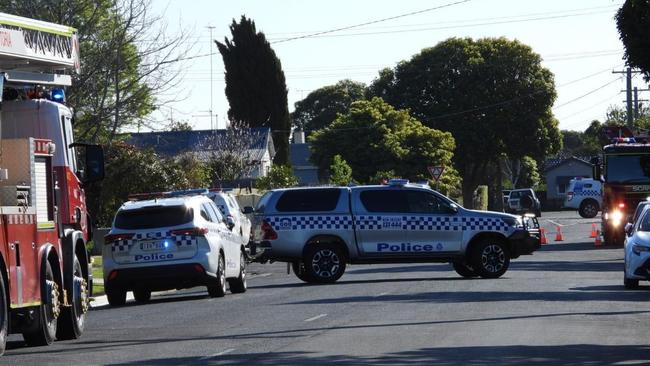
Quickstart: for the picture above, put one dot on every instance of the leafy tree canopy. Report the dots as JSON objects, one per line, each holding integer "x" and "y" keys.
{"x": 280, "y": 176}
{"x": 492, "y": 94}
{"x": 375, "y": 137}
{"x": 340, "y": 172}
{"x": 633, "y": 22}
{"x": 255, "y": 85}
{"x": 321, "y": 106}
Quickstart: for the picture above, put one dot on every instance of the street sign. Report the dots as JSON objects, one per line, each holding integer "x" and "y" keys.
{"x": 436, "y": 171}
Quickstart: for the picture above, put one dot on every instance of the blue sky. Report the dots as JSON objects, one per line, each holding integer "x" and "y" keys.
{"x": 577, "y": 39}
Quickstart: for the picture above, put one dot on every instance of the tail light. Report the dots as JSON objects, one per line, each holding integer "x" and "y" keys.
{"x": 117, "y": 237}
{"x": 267, "y": 231}
{"x": 192, "y": 231}
{"x": 569, "y": 196}
{"x": 621, "y": 205}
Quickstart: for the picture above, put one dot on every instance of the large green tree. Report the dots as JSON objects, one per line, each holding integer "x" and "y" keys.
{"x": 633, "y": 22}
{"x": 255, "y": 84}
{"x": 375, "y": 137}
{"x": 126, "y": 60}
{"x": 321, "y": 106}
{"x": 492, "y": 94}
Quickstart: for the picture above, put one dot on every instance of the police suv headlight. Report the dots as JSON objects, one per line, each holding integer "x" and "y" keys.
{"x": 512, "y": 221}
{"x": 638, "y": 249}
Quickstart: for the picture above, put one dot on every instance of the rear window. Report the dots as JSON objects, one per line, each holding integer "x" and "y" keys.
{"x": 308, "y": 200}
{"x": 152, "y": 217}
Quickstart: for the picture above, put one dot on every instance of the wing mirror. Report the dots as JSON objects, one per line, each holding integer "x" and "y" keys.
{"x": 230, "y": 222}
{"x": 628, "y": 229}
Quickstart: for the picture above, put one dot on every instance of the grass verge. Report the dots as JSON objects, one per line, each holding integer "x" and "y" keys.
{"x": 98, "y": 274}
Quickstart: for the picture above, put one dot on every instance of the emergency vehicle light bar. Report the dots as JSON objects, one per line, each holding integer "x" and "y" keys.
{"x": 398, "y": 182}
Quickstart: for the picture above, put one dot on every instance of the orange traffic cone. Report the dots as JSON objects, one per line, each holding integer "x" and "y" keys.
{"x": 558, "y": 234}
{"x": 599, "y": 241}
{"x": 542, "y": 234}
{"x": 594, "y": 232}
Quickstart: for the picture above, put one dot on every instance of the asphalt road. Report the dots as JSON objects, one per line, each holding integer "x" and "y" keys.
{"x": 565, "y": 305}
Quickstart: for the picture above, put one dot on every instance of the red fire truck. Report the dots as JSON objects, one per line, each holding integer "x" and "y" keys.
{"x": 45, "y": 276}
{"x": 626, "y": 179}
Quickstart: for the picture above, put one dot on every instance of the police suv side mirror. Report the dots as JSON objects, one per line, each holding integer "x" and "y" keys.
{"x": 247, "y": 210}
{"x": 230, "y": 222}
{"x": 453, "y": 208}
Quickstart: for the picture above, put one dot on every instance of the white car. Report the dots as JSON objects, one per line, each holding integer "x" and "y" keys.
{"x": 171, "y": 240}
{"x": 637, "y": 249}
{"x": 234, "y": 215}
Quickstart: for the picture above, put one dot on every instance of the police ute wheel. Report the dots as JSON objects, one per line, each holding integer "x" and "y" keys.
{"x": 462, "y": 268}
{"x": 299, "y": 270}
{"x": 324, "y": 263}
{"x": 116, "y": 296}
{"x": 588, "y": 209}
{"x": 42, "y": 330}
{"x": 218, "y": 286}
{"x": 142, "y": 295}
{"x": 490, "y": 258}
{"x": 238, "y": 285}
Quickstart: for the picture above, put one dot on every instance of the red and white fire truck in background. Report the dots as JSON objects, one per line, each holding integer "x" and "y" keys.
{"x": 45, "y": 276}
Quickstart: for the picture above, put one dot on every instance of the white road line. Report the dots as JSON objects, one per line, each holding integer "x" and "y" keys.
{"x": 261, "y": 275}
{"x": 562, "y": 225}
{"x": 382, "y": 294}
{"x": 315, "y": 317}
{"x": 217, "y": 354}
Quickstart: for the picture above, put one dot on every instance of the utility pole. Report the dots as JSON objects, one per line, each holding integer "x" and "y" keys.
{"x": 211, "y": 88}
{"x": 637, "y": 100}
{"x": 628, "y": 94}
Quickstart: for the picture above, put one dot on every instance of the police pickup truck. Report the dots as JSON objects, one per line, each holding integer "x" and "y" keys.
{"x": 320, "y": 230}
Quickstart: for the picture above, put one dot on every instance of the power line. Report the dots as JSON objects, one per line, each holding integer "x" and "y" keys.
{"x": 326, "y": 35}
{"x": 586, "y": 94}
{"x": 371, "y": 22}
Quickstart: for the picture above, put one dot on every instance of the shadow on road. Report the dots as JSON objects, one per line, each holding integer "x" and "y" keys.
{"x": 493, "y": 355}
{"x": 567, "y": 266}
{"x": 565, "y": 355}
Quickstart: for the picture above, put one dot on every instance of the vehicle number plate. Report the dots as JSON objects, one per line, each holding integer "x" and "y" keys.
{"x": 152, "y": 245}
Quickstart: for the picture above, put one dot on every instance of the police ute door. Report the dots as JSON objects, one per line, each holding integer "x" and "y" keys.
{"x": 379, "y": 221}
{"x": 434, "y": 226}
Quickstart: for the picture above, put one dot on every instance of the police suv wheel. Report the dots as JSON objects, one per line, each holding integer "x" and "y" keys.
{"x": 218, "y": 287}
{"x": 462, "y": 268}
{"x": 588, "y": 209}
{"x": 116, "y": 296}
{"x": 238, "y": 285}
{"x": 325, "y": 263}
{"x": 490, "y": 258}
{"x": 142, "y": 295}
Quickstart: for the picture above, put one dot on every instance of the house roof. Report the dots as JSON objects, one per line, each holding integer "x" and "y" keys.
{"x": 172, "y": 143}
{"x": 555, "y": 163}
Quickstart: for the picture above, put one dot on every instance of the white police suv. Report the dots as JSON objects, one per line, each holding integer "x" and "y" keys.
{"x": 321, "y": 230}
{"x": 585, "y": 195}
{"x": 171, "y": 240}
{"x": 233, "y": 214}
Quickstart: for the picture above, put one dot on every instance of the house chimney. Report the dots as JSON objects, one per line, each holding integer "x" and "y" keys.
{"x": 299, "y": 137}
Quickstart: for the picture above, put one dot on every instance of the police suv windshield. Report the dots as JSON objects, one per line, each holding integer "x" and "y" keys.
{"x": 152, "y": 217}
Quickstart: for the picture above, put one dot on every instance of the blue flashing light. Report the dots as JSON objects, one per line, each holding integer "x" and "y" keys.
{"x": 58, "y": 95}
{"x": 166, "y": 244}
{"x": 188, "y": 192}
{"x": 398, "y": 182}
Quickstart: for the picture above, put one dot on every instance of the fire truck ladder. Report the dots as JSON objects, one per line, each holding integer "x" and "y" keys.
{"x": 33, "y": 45}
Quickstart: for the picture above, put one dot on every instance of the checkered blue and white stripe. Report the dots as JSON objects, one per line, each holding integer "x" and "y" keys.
{"x": 588, "y": 193}
{"x": 375, "y": 222}
{"x": 434, "y": 223}
{"x": 126, "y": 245}
{"x": 333, "y": 222}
